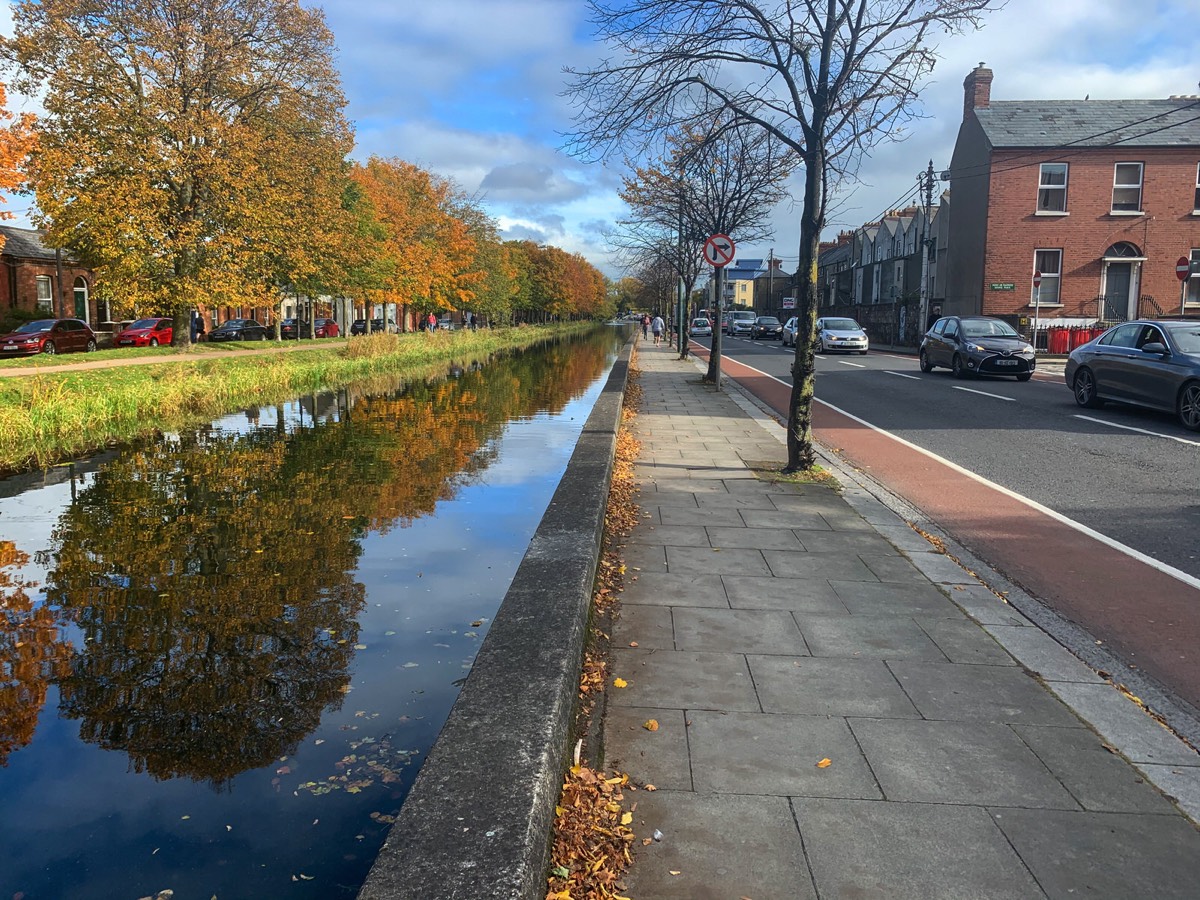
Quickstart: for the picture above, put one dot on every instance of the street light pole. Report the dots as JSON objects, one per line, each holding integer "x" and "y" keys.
{"x": 923, "y": 316}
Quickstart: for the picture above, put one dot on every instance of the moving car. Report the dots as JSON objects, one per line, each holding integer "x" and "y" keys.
{"x": 977, "y": 345}
{"x": 48, "y": 336}
{"x": 766, "y": 327}
{"x": 326, "y": 328}
{"x": 790, "y": 327}
{"x": 239, "y": 330}
{"x": 700, "y": 328}
{"x": 841, "y": 334}
{"x": 1149, "y": 362}
{"x": 145, "y": 333}
{"x": 740, "y": 322}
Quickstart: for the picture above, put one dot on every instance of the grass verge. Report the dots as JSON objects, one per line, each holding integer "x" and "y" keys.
{"x": 50, "y": 416}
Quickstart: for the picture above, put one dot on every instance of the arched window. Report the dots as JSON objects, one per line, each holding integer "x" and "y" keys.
{"x": 1123, "y": 250}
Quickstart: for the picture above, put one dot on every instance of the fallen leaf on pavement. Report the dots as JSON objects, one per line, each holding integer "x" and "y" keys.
{"x": 651, "y": 725}
{"x": 620, "y": 683}
{"x": 825, "y": 763}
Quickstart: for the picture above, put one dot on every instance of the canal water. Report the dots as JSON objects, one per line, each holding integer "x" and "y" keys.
{"x": 225, "y": 653}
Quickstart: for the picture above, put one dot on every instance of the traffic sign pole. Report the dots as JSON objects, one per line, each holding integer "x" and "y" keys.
{"x": 1183, "y": 268}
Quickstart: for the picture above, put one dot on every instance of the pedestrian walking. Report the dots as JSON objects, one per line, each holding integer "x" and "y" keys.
{"x": 645, "y": 324}
{"x": 656, "y": 325}
{"x": 431, "y": 323}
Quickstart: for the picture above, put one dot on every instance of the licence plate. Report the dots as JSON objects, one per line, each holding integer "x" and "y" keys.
{"x": 1006, "y": 362}
{"x": 126, "y": 342}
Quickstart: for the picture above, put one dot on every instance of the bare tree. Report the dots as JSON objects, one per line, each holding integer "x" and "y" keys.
{"x": 827, "y": 78}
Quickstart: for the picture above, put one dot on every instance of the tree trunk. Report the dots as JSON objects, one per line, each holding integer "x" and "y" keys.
{"x": 801, "y": 454}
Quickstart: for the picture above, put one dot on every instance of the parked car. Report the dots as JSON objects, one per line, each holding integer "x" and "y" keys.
{"x": 48, "y": 336}
{"x": 239, "y": 330}
{"x": 841, "y": 334}
{"x": 288, "y": 329}
{"x": 977, "y": 345}
{"x": 740, "y": 321}
{"x": 790, "y": 327}
{"x": 1148, "y": 363}
{"x": 358, "y": 326}
{"x": 766, "y": 327}
{"x": 326, "y": 328}
{"x": 391, "y": 328}
{"x": 145, "y": 333}
{"x": 700, "y": 328}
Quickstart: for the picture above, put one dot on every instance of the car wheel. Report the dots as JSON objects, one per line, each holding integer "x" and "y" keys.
{"x": 1188, "y": 406}
{"x": 262, "y": 336}
{"x": 1024, "y": 376}
{"x": 91, "y": 346}
{"x": 49, "y": 349}
{"x": 957, "y": 369}
{"x": 153, "y": 342}
{"x": 1084, "y": 389}
{"x": 926, "y": 365}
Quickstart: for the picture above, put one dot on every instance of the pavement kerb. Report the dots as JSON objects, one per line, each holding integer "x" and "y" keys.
{"x": 478, "y": 820}
{"x": 1158, "y": 752}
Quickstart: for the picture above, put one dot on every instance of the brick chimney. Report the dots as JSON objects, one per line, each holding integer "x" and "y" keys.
{"x": 977, "y": 90}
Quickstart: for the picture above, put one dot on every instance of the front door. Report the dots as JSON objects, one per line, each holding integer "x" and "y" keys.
{"x": 1116, "y": 291}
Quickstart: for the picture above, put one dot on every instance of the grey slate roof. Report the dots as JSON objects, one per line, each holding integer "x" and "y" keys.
{"x": 25, "y": 243}
{"x": 1092, "y": 123}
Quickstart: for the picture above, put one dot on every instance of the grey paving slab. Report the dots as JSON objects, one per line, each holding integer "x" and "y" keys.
{"x": 764, "y": 753}
{"x": 818, "y": 565}
{"x": 863, "y": 850}
{"x": 903, "y": 537}
{"x": 956, "y": 762}
{"x": 829, "y": 687}
{"x": 683, "y": 680}
{"x": 656, "y": 757}
{"x": 722, "y": 846}
{"x": 965, "y": 642}
{"x": 853, "y": 543}
{"x": 1043, "y": 655}
{"x": 670, "y": 589}
{"x": 894, "y": 568}
{"x": 645, "y": 557}
{"x": 798, "y": 594}
{"x": 728, "y": 536}
{"x": 940, "y": 568}
{"x": 738, "y": 631}
{"x": 650, "y": 626}
{"x": 663, "y": 499}
{"x": 985, "y": 607}
{"x": 670, "y": 535}
{"x": 1181, "y": 783}
{"x": 953, "y": 692}
{"x": 878, "y": 599}
{"x": 810, "y": 498}
{"x": 715, "y": 561}
{"x": 847, "y": 520}
{"x": 1124, "y": 725}
{"x": 1099, "y": 779}
{"x": 735, "y": 501}
{"x": 1112, "y": 855}
{"x": 880, "y": 637}
{"x": 697, "y": 516}
{"x": 785, "y": 518}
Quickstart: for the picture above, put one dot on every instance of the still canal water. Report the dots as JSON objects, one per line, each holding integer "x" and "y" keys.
{"x": 225, "y": 653}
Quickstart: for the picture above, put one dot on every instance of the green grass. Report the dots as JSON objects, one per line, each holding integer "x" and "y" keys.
{"x": 50, "y": 416}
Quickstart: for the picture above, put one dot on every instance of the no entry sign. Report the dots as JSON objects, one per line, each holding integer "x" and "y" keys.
{"x": 1182, "y": 268}
{"x": 718, "y": 250}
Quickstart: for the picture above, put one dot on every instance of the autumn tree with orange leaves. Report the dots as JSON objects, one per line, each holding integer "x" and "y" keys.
{"x": 191, "y": 153}
{"x": 17, "y": 139}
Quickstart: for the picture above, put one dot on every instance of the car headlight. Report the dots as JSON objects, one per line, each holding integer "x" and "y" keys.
{"x": 977, "y": 347}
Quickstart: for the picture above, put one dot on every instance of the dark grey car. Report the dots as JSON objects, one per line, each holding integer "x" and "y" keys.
{"x": 977, "y": 345}
{"x": 1149, "y": 362}
{"x": 239, "y": 330}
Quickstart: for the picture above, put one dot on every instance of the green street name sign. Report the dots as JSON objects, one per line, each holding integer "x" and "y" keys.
{"x": 1003, "y": 286}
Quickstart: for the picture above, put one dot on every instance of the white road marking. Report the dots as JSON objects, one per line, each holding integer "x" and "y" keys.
{"x": 856, "y": 365}
{"x": 1169, "y": 437}
{"x": 1171, "y": 571}
{"x": 985, "y": 394}
{"x": 901, "y": 375}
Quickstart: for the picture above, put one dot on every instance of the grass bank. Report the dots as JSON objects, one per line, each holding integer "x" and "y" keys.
{"x": 51, "y": 416}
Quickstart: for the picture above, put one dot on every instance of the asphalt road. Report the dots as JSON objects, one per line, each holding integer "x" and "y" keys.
{"x": 1129, "y": 474}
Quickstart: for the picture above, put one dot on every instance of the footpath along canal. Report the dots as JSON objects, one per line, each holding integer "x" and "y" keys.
{"x": 225, "y": 653}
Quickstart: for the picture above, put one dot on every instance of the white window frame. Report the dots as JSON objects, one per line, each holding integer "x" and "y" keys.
{"x": 1192, "y": 297}
{"x": 1128, "y": 186}
{"x": 1054, "y": 277}
{"x": 45, "y": 298}
{"x": 1048, "y": 190}
{"x": 1196, "y": 201}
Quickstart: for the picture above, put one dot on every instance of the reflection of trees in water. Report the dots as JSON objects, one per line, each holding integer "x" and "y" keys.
{"x": 210, "y": 575}
{"x": 32, "y": 654}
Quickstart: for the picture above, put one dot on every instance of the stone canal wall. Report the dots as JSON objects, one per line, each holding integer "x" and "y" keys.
{"x": 478, "y": 820}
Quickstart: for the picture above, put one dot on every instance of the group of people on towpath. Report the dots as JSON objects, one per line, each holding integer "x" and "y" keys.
{"x": 656, "y": 325}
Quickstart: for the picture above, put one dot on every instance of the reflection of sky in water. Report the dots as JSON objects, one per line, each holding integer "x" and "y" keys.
{"x": 78, "y": 822}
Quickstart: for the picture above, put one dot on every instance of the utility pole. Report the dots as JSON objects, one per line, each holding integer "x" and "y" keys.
{"x": 770, "y": 282}
{"x": 925, "y": 245}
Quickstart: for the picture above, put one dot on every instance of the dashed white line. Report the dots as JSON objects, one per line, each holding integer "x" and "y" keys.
{"x": 901, "y": 375}
{"x": 1169, "y": 437}
{"x": 856, "y": 365}
{"x": 985, "y": 394}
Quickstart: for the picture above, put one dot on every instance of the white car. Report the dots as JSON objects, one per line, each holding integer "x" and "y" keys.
{"x": 841, "y": 334}
{"x": 740, "y": 322}
{"x": 700, "y": 328}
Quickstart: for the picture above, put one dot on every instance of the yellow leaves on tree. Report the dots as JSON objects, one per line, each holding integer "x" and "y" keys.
{"x": 17, "y": 139}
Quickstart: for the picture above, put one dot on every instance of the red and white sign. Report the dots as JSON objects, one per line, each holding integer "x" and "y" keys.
{"x": 718, "y": 250}
{"x": 1182, "y": 268}
{"x": 1037, "y": 279}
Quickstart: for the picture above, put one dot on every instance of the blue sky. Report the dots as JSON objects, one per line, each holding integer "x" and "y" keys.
{"x": 472, "y": 89}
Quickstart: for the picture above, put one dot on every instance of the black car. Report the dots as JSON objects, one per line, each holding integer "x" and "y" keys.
{"x": 390, "y": 328}
{"x": 766, "y": 327}
{"x": 358, "y": 326}
{"x": 977, "y": 345}
{"x": 288, "y": 329}
{"x": 239, "y": 330}
{"x": 1148, "y": 363}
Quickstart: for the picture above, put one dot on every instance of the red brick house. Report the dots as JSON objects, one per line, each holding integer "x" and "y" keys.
{"x": 30, "y": 280}
{"x": 1102, "y": 197}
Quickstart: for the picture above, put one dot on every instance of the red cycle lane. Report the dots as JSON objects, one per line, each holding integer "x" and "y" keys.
{"x": 1145, "y": 615}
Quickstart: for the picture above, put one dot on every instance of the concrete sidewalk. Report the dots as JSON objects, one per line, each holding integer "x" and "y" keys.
{"x": 777, "y": 626}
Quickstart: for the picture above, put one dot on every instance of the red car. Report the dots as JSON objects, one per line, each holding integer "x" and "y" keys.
{"x": 326, "y": 328}
{"x": 145, "y": 333}
{"x": 48, "y": 336}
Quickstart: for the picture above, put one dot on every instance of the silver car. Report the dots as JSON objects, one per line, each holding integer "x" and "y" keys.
{"x": 1149, "y": 362}
{"x": 841, "y": 334}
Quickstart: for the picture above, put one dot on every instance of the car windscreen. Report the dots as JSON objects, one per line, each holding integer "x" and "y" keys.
{"x": 841, "y": 325}
{"x": 749, "y": 316}
{"x": 994, "y": 328}
{"x": 1187, "y": 337}
{"x": 767, "y": 320}
{"x": 143, "y": 323}
{"x": 36, "y": 327}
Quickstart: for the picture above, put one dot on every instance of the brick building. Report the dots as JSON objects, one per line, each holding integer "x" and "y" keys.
{"x": 30, "y": 280}
{"x": 1102, "y": 197}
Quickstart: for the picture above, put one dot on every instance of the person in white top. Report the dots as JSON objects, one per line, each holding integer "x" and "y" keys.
{"x": 656, "y": 325}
